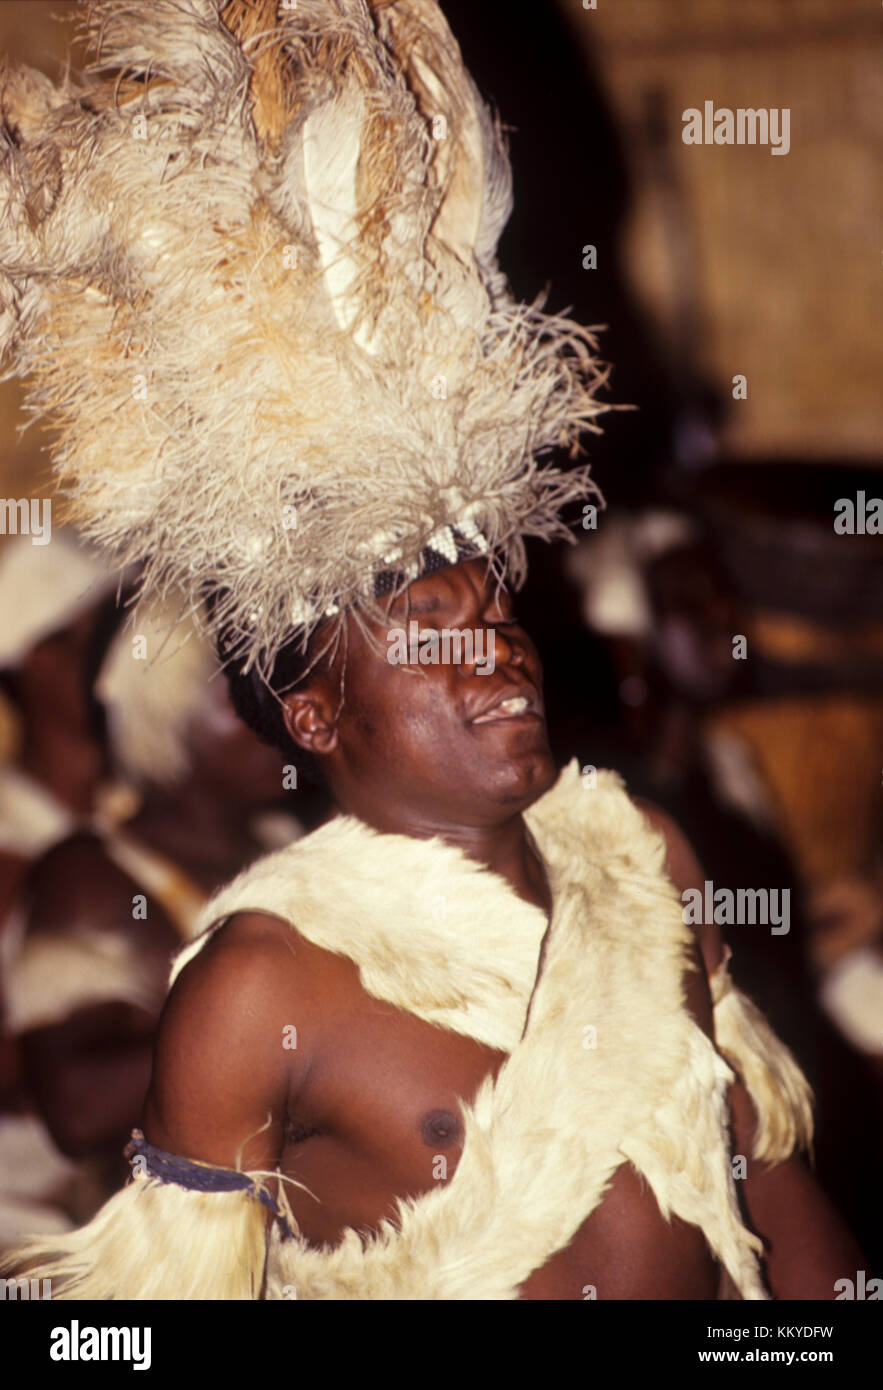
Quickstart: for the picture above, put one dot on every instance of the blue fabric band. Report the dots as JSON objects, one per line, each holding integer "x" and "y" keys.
{"x": 199, "y": 1177}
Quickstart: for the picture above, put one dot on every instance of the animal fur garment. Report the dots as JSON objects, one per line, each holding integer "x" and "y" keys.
{"x": 248, "y": 264}
{"x": 545, "y": 1138}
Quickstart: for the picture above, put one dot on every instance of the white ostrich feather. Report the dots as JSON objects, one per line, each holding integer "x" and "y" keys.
{"x": 248, "y": 267}
{"x": 330, "y": 182}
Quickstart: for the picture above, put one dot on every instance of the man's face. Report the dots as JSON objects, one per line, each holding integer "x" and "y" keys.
{"x": 437, "y": 741}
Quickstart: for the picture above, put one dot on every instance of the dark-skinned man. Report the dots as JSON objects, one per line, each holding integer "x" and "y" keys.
{"x": 457, "y": 1042}
{"x": 361, "y": 1111}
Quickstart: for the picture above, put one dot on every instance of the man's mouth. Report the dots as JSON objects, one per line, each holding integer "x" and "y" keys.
{"x": 509, "y": 707}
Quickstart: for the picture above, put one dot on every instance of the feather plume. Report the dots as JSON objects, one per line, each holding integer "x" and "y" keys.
{"x": 247, "y": 264}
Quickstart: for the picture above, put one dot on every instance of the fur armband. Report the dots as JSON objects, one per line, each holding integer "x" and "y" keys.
{"x": 178, "y": 1230}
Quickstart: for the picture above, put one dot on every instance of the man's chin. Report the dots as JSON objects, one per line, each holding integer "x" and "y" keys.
{"x": 522, "y": 776}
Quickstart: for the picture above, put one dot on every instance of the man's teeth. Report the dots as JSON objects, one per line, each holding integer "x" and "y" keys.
{"x": 517, "y": 705}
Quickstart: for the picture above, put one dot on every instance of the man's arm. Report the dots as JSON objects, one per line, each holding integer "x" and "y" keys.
{"x": 222, "y": 1076}
{"x": 808, "y": 1245}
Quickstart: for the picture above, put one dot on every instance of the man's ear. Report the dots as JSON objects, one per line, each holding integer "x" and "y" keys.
{"x": 311, "y": 719}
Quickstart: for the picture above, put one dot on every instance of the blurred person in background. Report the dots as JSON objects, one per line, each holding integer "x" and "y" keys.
{"x": 847, "y": 951}
{"x": 58, "y": 616}
{"x": 104, "y": 907}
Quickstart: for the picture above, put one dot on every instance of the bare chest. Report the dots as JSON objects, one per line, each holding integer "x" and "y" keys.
{"x": 380, "y": 1119}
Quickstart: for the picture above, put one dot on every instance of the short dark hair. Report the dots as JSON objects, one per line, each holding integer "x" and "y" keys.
{"x": 257, "y": 701}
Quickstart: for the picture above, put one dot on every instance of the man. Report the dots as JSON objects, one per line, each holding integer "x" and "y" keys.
{"x": 365, "y": 1112}
{"x": 433, "y": 1049}
{"x": 364, "y": 1106}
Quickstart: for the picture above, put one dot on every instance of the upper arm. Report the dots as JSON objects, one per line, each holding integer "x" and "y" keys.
{"x": 222, "y": 1073}
{"x": 685, "y": 871}
{"x": 807, "y": 1243}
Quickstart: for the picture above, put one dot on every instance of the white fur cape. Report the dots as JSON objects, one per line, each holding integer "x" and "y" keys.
{"x": 610, "y": 1068}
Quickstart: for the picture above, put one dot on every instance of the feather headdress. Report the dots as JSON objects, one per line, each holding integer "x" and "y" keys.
{"x": 247, "y": 262}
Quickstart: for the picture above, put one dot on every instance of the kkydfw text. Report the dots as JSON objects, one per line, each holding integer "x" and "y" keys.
{"x": 449, "y": 647}
{"x": 766, "y": 907}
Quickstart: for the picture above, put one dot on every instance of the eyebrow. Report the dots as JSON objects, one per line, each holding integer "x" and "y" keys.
{"x": 425, "y": 605}
{"x": 437, "y": 604}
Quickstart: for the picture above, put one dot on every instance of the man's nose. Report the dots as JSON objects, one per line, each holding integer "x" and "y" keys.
{"x": 509, "y": 651}
{"x": 499, "y": 648}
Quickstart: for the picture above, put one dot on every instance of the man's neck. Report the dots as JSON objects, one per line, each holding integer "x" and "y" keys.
{"x": 509, "y": 851}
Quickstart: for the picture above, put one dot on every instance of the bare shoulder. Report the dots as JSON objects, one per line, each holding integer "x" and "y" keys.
{"x": 254, "y": 964}
{"x": 685, "y": 872}
{"x": 223, "y": 1066}
{"x": 682, "y": 861}
{"x": 247, "y": 962}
